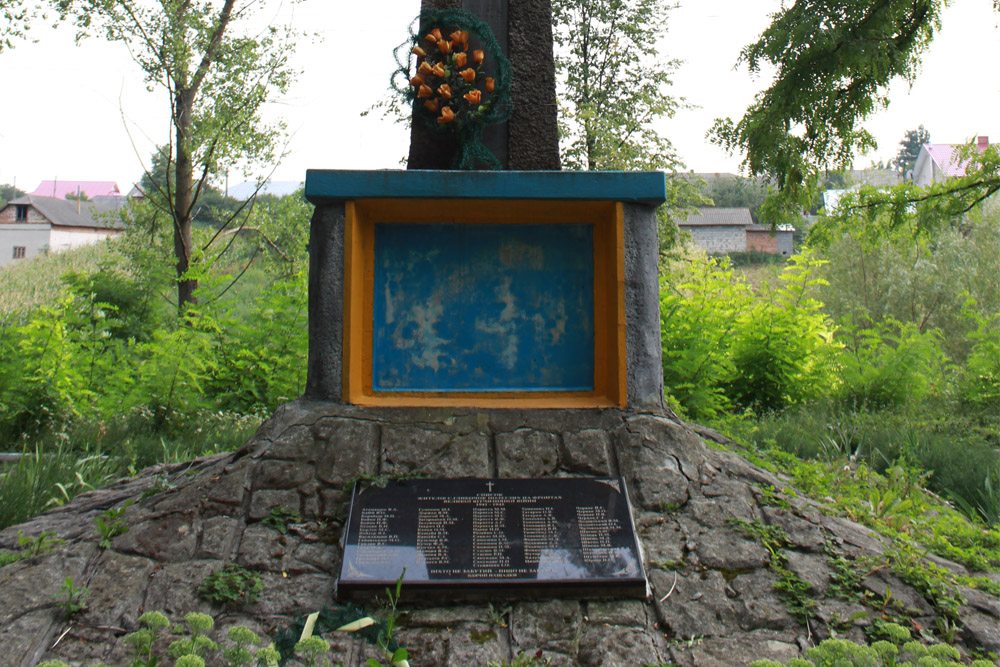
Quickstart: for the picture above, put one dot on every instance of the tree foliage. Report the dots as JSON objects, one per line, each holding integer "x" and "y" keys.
{"x": 909, "y": 149}
{"x": 834, "y": 60}
{"x": 738, "y": 192}
{"x": 219, "y": 63}
{"x": 616, "y": 84}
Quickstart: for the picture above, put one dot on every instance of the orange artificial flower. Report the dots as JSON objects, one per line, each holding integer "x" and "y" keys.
{"x": 417, "y": 81}
{"x": 490, "y": 84}
{"x": 434, "y": 36}
{"x": 438, "y": 69}
{"x": 447, "y": 115}
{"x": 459, "y": 60}
{"x": 444, "y": 90}
{"x": 416, "y": 50}
{"x": 444, "y": 46}
{"x": 425, "y": 68}
{"x": 473, "y": 97}
{"x": 432, "y": 105}
{"x": 456, "y": 37}
{"x": 425, "y": 91}
{"x": 468, "y": 74}
{"x": 477, "y": 56}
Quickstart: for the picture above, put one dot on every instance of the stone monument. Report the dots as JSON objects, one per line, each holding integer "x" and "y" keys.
{"x": 383, "y": 403}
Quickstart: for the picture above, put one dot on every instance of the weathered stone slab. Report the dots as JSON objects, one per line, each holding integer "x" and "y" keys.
{"x": 527, "y": 453}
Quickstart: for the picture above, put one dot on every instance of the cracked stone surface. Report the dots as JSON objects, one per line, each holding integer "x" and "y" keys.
{"x": 713, "y": 598}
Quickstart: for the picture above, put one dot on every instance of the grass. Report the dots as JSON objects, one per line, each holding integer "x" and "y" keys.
{"x": 959, "y": 452}
{"x": 86, "y": 455}
{"x": 33, "y": 282}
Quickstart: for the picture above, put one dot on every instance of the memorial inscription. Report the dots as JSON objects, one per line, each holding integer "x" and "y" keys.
{"x": 476, "y": 538}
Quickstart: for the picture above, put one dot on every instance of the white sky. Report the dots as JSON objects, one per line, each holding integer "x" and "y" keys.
{"x": 61, "y": 112}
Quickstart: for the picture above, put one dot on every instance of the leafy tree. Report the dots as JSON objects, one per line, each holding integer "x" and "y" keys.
{"x": 834, "y": 61}
{"x": 72, "y": 196}
{"x": 213, "y": 207}
{"x": 9, "y": 193}
{"x": 738, "y": 192}
{"x": 909, "y": 149}
{"x": 615, "y": 83}
{"x": 218, "y": 69}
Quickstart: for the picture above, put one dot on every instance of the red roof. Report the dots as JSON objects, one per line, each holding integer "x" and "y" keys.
{"x": 59, "y": 189}
{"x": 944, "y": 156}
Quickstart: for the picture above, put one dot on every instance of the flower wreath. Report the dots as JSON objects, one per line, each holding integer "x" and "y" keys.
{"x": 450, "y": 89}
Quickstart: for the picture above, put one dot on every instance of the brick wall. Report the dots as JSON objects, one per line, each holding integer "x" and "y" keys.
{"x": 762, "y": 241}
{"x": 9, "y": 216}
{"x": 717, "y": 239}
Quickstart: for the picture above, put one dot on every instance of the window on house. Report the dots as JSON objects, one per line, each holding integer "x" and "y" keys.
{"x": 22, "y": 212}
{"x": 18, "y": 252}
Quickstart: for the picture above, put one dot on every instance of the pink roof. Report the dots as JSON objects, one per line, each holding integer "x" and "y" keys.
{"x": 944, "y": 156}
{"x": 59, "y": 189}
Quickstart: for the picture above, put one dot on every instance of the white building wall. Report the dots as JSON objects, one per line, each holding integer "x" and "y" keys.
{"x": 719, "y": 239}
{"x": 64, "y": 239}
{"x": 33, "y": 237}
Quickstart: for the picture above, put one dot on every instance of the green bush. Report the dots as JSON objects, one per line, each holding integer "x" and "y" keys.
{"x": 725, "y": 347}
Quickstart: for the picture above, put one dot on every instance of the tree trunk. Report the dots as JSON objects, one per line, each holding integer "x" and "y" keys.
{"x": 183, "y": 192}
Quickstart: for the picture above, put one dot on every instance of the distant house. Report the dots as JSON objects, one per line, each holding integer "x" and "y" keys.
{"x": 32, "y": 224}
{"x": 720, "y": 230}
{"x": 775, "y": 242}
{"x": 94, "y": 190}
{"x": 939, "y": 162}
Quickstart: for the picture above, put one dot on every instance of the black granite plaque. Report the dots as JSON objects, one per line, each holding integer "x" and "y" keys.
{"x": 481, "y": 538}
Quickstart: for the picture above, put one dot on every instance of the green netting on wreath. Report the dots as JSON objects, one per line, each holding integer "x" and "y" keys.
{"x": 450, "y": 89}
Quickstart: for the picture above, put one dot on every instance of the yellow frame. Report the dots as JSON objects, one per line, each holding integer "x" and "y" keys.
{"x": 609, "y": 296}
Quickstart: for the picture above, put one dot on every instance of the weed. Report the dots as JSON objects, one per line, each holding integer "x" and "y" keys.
{"x": 198, "y": 643}
{"x": 73, "y": 600}
{"x": 498, "y": 615}
{"x": 522, "y": 660}
{"x": 231, "y": 585}
{"x": 30, "y": 546}
{"x": 110, "y": 524}
{"x": 311, "y": 648}
{"x": 796, "y": 591}
{"x": 280, "y": 518}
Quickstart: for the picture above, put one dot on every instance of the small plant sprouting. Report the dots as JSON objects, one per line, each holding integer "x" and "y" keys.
{"x": 199, "y": 643}
{"x": 142, "y": 640}
{"x": 30, "y": 546}
{"x": 74, "y": 599}
{"x": 110, "y": 524}
{"x": 281, "y": 517}
{"x": 231, "y": 585}
{"x": 311, "y": 648}
{"x": 399, "y": 656}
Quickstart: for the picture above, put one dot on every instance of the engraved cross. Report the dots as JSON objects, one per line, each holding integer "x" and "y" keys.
{"x": 489, "y": 486}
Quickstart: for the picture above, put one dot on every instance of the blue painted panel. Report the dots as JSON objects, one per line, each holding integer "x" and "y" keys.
{"x": 329, "y": 185}
{"x": 483, "y": 307}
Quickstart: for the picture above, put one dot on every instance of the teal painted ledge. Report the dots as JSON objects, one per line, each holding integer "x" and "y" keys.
{"x": 330, "y": 185}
